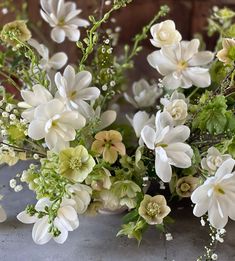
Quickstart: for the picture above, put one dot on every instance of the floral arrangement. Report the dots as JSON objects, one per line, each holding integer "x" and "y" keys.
{"x": 63, "y": 116}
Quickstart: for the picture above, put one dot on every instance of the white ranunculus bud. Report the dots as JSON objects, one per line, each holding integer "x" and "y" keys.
{"x": 178, "y": 109}
{"x": 164, "y": 34}
{"x": 213, "y": 160}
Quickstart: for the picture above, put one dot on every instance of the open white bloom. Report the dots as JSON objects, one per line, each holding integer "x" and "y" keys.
{"x": 181, "y": 65}
{"x": 145, "y": 95}
{"x": 55, "y": 62}
{"x": 81, "y": 194}
{"x": 63, "y": 17}
{"x": 32, "y": 99}
{"x": 3, "y": 215}
{"x": 217, "y": 196}
{"x": 169, "y": 145}
{"x": 66, "y": 220}
{"x": 74, "y": 90}
{"x": 164, "y": 34}
{"x": 139, "y": 121}
{"x": 177, "y": 107}
{"x": 213, "y": 160}
{"x": 55, "y": 124}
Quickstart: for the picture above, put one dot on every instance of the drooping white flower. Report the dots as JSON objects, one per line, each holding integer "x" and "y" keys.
{"x": 139, "y": 121}
{"x": 106, "y": 118}
{"x": 164, "y": 34}
{"x": 66, "y": 220}
{"x": 55, "y": 124}
{"x": 55, "y": 62}
{"x": 74, "y": 90}
{"x": 81, "y": 194}
{"x": 63, "y": 17}
{"x": 177, "y": 106}
{"x": 32, "y": 99}
{"x": 145, "y": 95}
{"x": 213, "y": 160}
{"x": 181, "y": 65}
{"x": 217, "y": 196}
{"x": 3, "y": 215}
{"x": 169, "y": 145}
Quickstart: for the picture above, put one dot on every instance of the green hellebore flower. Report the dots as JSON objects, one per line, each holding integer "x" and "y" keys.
{"x": 76, "y": 163}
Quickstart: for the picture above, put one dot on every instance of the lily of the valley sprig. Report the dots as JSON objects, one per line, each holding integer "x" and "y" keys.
{"x": 179, "y": 132}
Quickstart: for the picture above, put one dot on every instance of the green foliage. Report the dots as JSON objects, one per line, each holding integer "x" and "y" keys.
{"x": 213, "y": 116}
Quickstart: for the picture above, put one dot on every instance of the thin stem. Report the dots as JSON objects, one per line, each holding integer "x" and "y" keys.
{"x": 10, "y": 80}
{"x": 193, "y": 92}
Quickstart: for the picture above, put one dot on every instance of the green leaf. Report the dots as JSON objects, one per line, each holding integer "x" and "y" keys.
{"x": 131, "y": 216}
{"x": 212, "y": 116}
{"x": 161, "y": 228}
{"x": 169, "y": 220}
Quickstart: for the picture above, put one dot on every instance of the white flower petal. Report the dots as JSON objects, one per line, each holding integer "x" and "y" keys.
{"x": 162, "y": 167}
{"x": 201, "y": 58}
{"x": 58, "y": 60}
{"x": 149, "y": 136}
{"x": 200, "y": 77}
{"x": 58, "y": 35}
{"x": 25, "y": 218}
{"x": 36, "y": 130}
{"x": 40, "y": 232}
{"x": 161, "y": 63}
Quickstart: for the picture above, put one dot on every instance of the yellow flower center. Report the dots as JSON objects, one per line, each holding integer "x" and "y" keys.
{"x": 163, "y": 145}
{"x": 219, "y": 190}
{"x": 61, "y": 22}
{"x": 184, "y": 187}
{"x": 75, "y": 163}
{"x": 153, "y": 209}
{"x": 182, "y": 65}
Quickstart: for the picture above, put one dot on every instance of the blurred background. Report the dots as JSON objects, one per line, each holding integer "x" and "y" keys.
{"x": 190, "y": 17}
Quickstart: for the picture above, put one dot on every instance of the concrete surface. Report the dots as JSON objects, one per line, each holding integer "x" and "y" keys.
{"x": 95, "y": 239}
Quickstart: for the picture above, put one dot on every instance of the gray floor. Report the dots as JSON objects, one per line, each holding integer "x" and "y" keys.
{"x": 95, "y": 239}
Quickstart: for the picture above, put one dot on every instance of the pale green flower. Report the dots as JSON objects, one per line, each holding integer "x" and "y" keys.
{"x": 14, "y": 32}
{"x": 76, "y": 163}
{"x": 126, "y": 188}
{"x": 154, "y": 209}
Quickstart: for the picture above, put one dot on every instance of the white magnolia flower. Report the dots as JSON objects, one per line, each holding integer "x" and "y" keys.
{"x": 177, "y": 107}
{"x": 32, "y": 99}
{"x": 81, "y": 194}
{"x": 55, "y": 62}
{"x": 217, "y": 196}
{"x": 55, "y": 124}
{"x": 139, "y": 121}
{"x": 63, "y": 17}
{"x": 164, "y": 34}
{"x": 3, "y": 215}
{"x": 181, "y": 65}
{"x": 213, "y": 160}
{"x": 74, "y": 90}
{"x": 66, "y": 220}
{"x": 169, "y": 145}
{"x": 145, "y": 95}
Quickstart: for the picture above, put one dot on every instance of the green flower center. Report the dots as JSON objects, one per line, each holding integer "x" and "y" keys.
{"x": 184, "y": 187}
{"x": 153, "y": 209}
{"x": 75, "y": 163}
